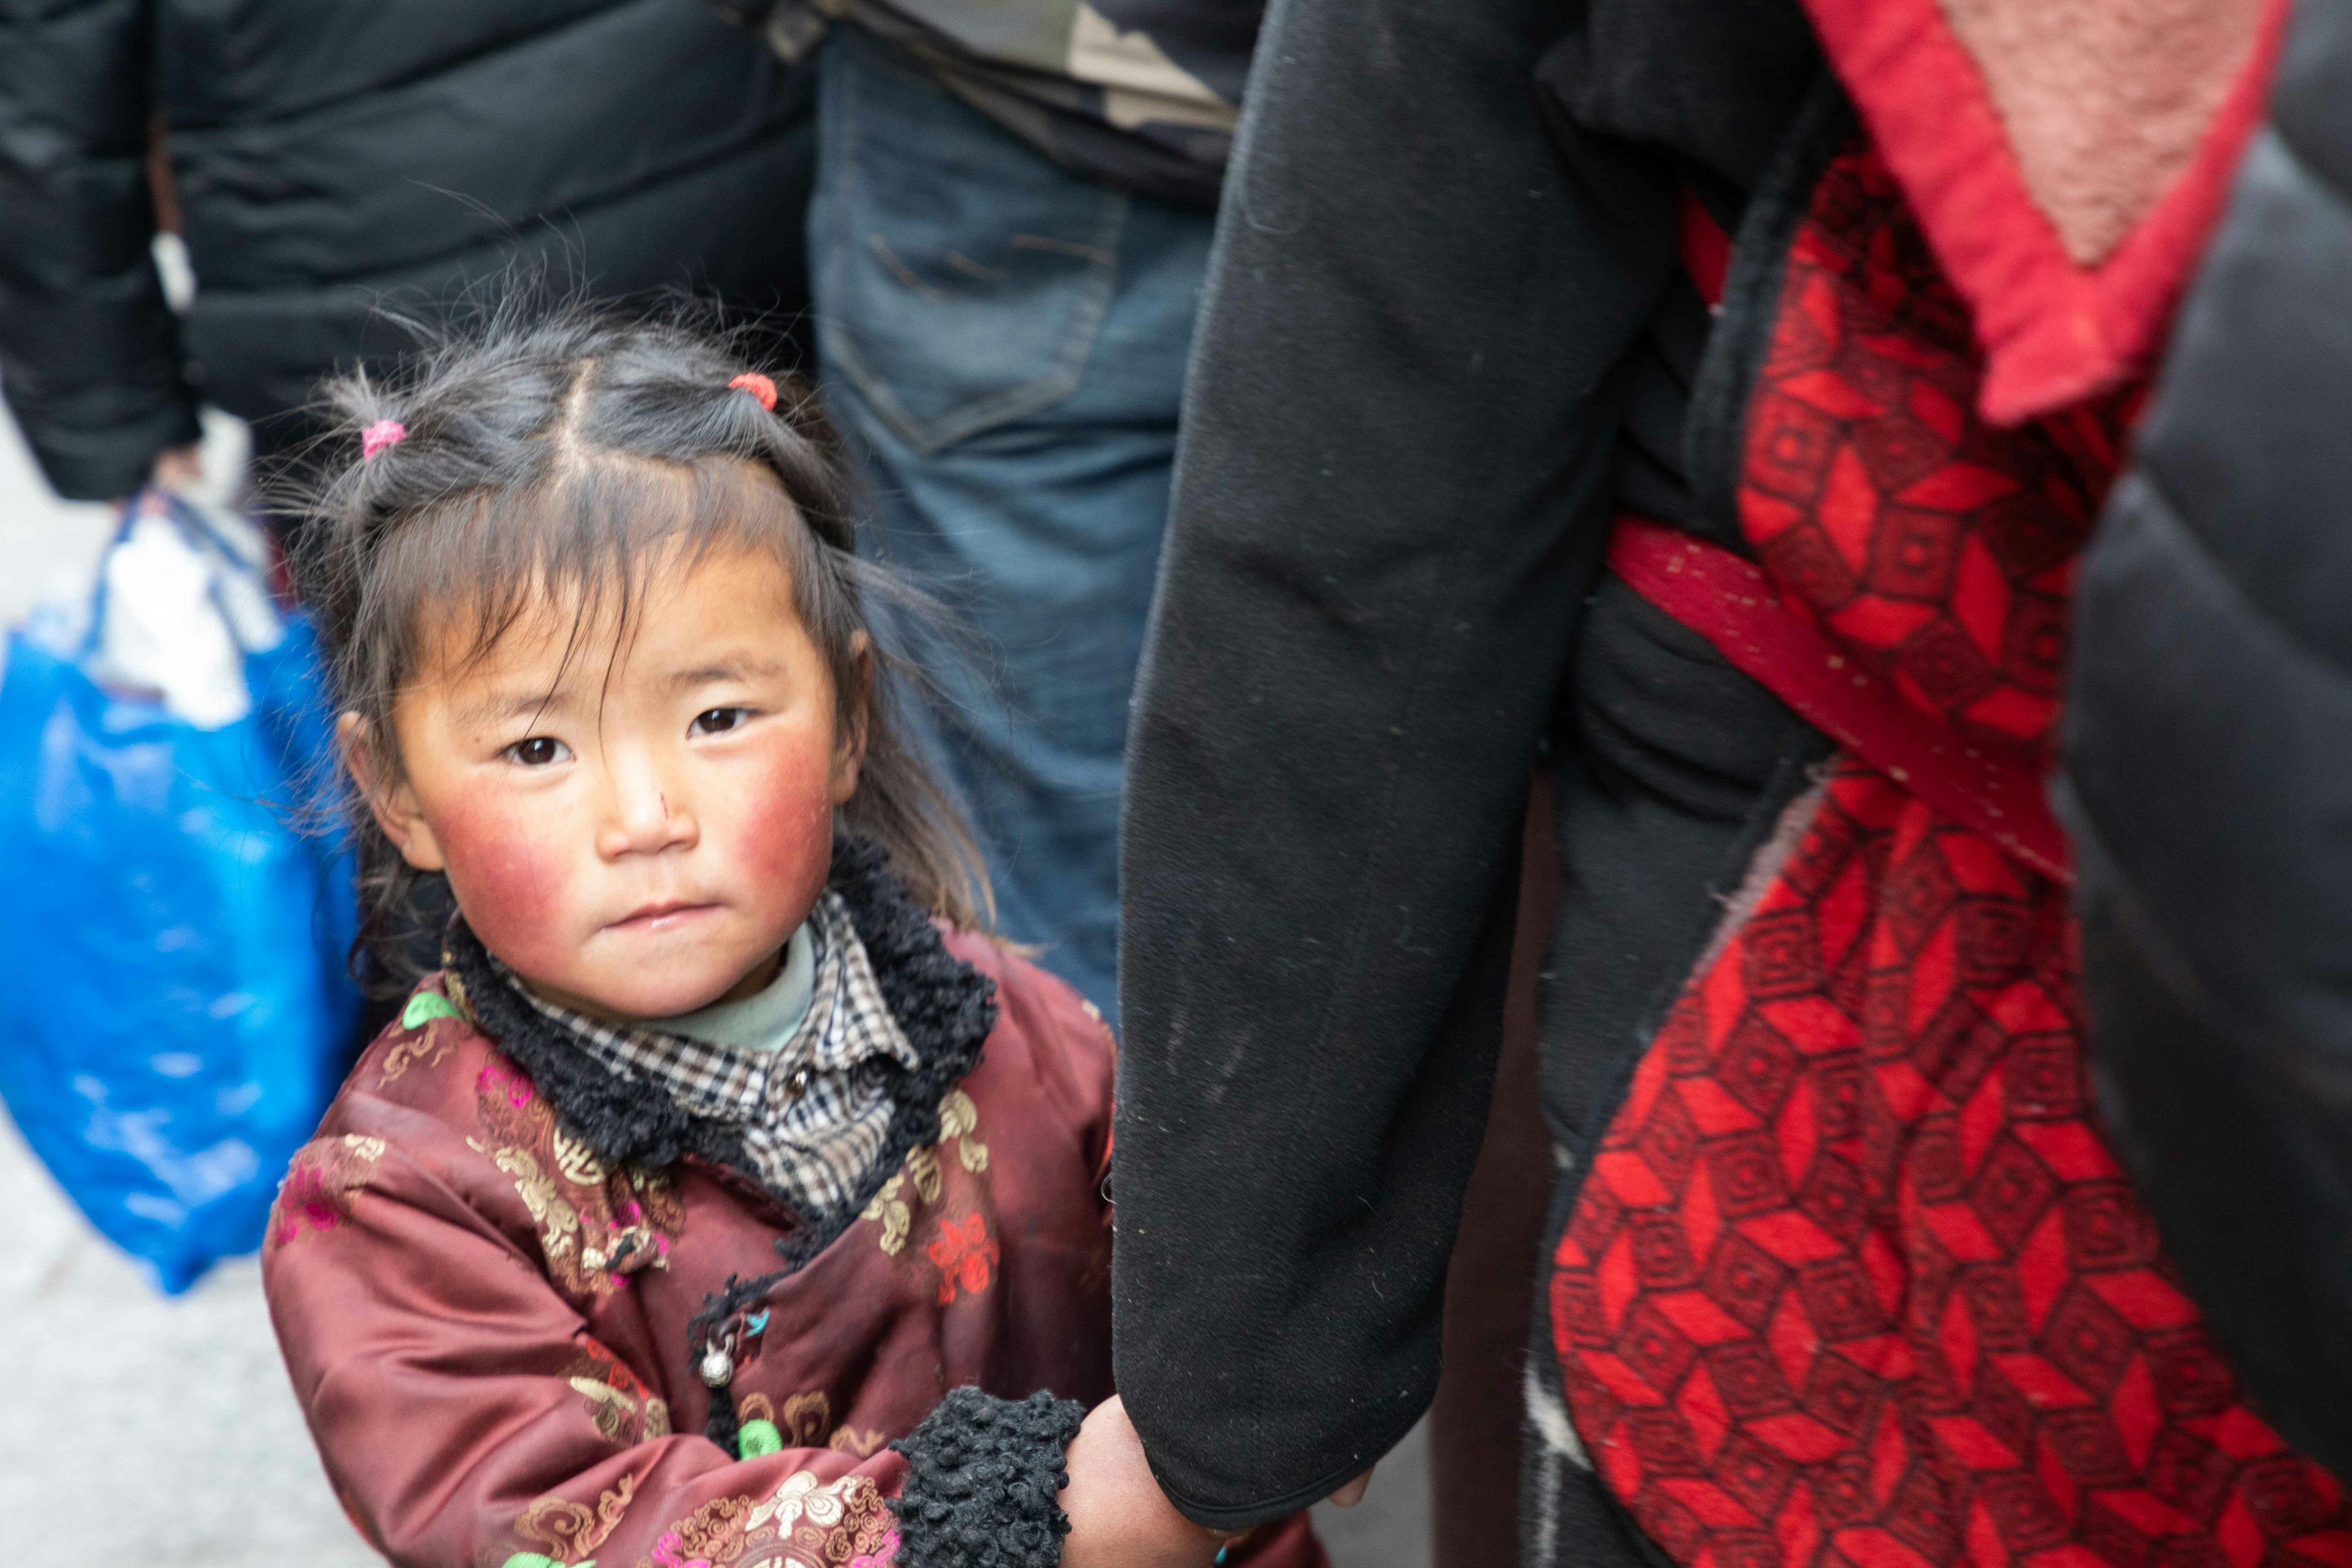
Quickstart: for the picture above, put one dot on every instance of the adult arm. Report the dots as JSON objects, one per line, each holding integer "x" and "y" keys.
{"x": 2210, "y": 769}
{"x": 89, "y": 356}
{"x": 1389, "y": 504}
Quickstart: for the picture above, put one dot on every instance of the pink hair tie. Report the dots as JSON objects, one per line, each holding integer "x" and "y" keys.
{"x": 759, "y": 386}
{"x": 382, "y": 434}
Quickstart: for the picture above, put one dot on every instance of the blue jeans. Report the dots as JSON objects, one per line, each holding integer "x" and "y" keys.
{"x": 1003, "y": 343}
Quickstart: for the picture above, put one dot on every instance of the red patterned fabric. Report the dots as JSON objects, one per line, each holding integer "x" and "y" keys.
{"x": 1735, "y": 606}
{"x": 1938, "y": 548}
{"x": 2060, "y": 327}
{"x": 1853, "y": 1278}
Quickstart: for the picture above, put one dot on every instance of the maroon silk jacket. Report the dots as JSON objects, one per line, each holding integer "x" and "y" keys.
{"x": 488, "y": 1317}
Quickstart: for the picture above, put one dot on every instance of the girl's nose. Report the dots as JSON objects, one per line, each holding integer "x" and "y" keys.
{"x": 646, "y": 818}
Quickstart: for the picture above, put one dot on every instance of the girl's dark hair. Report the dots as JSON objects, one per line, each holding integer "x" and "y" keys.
{"x": 570, "y": 451}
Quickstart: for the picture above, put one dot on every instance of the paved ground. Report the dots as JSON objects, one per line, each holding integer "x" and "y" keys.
{"x": 141, "y": 1430}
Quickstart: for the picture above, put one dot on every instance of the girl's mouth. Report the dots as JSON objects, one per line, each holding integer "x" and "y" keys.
{"x": 662, "y": 916}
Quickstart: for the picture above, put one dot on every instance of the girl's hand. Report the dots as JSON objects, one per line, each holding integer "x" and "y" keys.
{"x": 1119, "y": 1516}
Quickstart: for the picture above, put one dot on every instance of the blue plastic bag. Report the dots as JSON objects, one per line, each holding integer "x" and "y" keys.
{"x": 172, "y": 991}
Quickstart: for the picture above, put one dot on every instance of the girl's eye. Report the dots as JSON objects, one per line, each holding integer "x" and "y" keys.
{"x": 718, "y": 720}
{"x": 539, "y": 750}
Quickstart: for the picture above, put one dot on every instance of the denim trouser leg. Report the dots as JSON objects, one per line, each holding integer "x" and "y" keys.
{"x": 1004, "y": 343}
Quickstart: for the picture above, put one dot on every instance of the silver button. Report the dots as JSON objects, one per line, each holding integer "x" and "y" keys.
{"x": 796, "y": 1084}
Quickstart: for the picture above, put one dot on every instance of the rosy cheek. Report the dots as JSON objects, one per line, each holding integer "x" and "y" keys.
{"x": 779, "y": 827}
{"x": 510, "y": 877}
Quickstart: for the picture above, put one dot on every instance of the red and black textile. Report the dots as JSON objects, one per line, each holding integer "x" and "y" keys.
{"x": 1853, "y": 1277}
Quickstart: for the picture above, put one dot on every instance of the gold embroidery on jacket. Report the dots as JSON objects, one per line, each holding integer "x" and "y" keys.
{"x": 805, "y": 1422}
{"x": 578, "y": 1163}
{"x": 626, "y": 1411}
{"x": 864, "y": 1445}
{"x": 595, "y": 1220}
{"x": 616, "y": 1415}
{"x": 713, "y": 1532}
{"x": 567, "y": 1530}
{"x": 960, "y": 1118}
{"x": 892, "y": 1207}
{"x": 803, "y": 1524}
{"x": 806, "y": 1416}
{"x": 888, "y": 1211}
{"x": 428, "y": 1047}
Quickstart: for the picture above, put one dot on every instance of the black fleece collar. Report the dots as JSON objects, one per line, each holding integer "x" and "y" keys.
{"x": 944, "y": 1008}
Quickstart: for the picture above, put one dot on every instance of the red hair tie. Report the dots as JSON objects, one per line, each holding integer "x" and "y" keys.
{"x": 759, "y": 386}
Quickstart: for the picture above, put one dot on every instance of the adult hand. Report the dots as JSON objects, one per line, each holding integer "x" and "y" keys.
{"x": 177, "y": 468}
{"x": 1119, "y": 1516}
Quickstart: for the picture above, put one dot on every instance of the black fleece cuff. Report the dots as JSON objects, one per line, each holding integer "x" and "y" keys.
{"x": 984, "y": 1478}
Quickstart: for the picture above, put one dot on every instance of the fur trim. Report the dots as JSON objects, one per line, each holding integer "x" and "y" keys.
{"x": 944, "y": 1008}
{"x": 984, "y": 1476}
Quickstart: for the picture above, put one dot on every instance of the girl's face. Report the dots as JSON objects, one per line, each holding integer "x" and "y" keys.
{"x": 635, "y": 839}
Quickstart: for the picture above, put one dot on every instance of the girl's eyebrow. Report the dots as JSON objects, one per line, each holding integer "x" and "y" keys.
{"x": 746, "y": 667}
{"x": 499, "y": 708}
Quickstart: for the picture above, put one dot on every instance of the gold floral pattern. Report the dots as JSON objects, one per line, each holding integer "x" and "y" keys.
{"x": 594, "y": 1221}
{"x": 578, "y": 1161}
{"x": 919, "y": 1180}
{"x": 959, "y": 1119}
{"x": 626, "y": 1411}
{"x": 865, "y": 1444}
{"x": 711, "y": 1533}
{"x": 424, "y": 1049}
{"x": 804, "y": 1523}
{"x": 806, "y": 1420}
{"x": 322, "y": 1179}
{"x": 806, "y": 1416}
{"x": 890, "y": 1212}
{"x": 923, "y": 1170}
{"x": 566, "y": 1531}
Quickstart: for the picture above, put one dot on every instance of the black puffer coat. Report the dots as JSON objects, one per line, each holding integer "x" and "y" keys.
{"x": 2208, "y": 767}
{"x": 330, "y": 156}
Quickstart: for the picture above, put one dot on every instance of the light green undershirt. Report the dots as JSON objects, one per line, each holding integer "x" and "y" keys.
{"x": 765, "y": 1019}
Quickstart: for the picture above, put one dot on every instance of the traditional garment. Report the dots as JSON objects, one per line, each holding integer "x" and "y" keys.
{"x": 1853, "y": 1268}
{"x": 498, "y": 1272}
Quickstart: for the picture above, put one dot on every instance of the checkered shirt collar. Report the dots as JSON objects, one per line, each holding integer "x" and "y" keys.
{"x": 847, "y": 1025}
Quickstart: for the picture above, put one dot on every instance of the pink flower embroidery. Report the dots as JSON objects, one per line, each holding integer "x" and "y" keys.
{"x": 966, "y": 1255}
{"x": 321, "y": 1180}
{"x": 666, "y": 1550}
{"x": 881, "y": 1556}
{"x": 304, "y": 1201}
{"x": 496, "y": 1078}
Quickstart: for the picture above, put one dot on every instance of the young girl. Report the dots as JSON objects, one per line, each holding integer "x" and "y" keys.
{"x": 726, "y": 1197}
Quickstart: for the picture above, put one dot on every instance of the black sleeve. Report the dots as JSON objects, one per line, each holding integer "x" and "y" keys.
{"x": 1389, "y": 505}
{"x": 89, "y": 350}
{"x": 2210, "y": 769}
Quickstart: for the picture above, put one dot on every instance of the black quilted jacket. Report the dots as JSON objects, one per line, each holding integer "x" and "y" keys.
{"x": 328, "y": 156}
